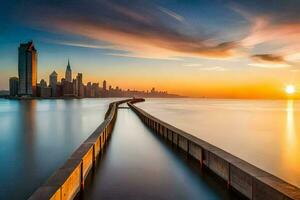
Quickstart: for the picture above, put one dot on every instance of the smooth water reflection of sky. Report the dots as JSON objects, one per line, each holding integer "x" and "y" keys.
{"x": 37, "y": 137}
{"x": 138, "y": 165}
{"x": 262, "y": 132}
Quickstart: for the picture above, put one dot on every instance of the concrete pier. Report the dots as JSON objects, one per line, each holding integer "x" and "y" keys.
{"x": 241, "y": 176}
{"x": 137, "y": 164}
{"x": 68, "y": 180}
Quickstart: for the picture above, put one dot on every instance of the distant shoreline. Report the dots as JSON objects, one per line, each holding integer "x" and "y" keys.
{"x": 177, "y": 97}
{"x": 68, "y": 98}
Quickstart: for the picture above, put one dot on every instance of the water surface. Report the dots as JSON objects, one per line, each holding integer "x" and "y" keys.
{"x": 265, "y": 133}
{"x": 37, "y": 137}
{"x": 137, "y": 164}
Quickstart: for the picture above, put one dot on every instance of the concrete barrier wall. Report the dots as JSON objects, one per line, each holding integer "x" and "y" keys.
{"x": 240, "y": 175}
{"x": 68, "y": 180}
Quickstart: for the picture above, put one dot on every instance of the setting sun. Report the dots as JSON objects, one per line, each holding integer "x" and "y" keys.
{"x": 290, "y": 89}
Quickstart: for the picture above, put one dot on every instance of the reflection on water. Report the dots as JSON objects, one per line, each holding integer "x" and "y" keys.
{"x": 262, "y": 132}
{"x": 36, "y": 137}
{"x": 138, "y": 165}
{"x": 290, "y": 127}
{"x": 291, "y": 141}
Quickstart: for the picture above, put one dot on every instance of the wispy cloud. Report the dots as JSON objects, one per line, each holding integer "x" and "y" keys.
{"x": 270, "y": 65}
{"x": 268, "y": 58}
{"x": 85, "y": 45}
{"x": 136, "y": 28}
{"x": 217, "y": 68}
{"x": 192, "y": 65}
{"x": 129, "y": 55}
{"x": 272, "y": 29}
{"x": 171, "y": 14}
{"x": 269, "y": 61}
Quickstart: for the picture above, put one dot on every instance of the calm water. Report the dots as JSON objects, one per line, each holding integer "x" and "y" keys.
{"x": 37, "y": 137}
{"x": 262, "y": 132}
{"x": 138, "y": 165}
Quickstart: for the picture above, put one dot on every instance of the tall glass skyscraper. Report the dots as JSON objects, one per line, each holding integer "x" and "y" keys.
{"x": 27, "y": 69}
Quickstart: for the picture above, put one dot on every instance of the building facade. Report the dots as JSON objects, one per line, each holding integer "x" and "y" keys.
{"x": 27, "y": 69}
{"x": 13, "y": 86}
{"x": 53, "y": 83}
{"x": 67, "y": 88}
{"x": 80, "y": 85}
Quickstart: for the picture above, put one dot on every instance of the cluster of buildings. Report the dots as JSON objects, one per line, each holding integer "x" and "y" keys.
{"x": 26, "y": 84}
{"x": 67, "y": 87}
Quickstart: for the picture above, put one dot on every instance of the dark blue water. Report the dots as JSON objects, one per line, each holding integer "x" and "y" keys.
{"x": 139, "y": 165}
{"x": 37, "y": 137}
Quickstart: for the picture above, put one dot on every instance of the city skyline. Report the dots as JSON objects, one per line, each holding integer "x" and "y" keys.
{"x": 222, "y": 49}
{"x": 26, "y": 84}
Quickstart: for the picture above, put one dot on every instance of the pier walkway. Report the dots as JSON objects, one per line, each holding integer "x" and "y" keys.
{"x": 137, "y": 164}
{"x": 138, "y": 156}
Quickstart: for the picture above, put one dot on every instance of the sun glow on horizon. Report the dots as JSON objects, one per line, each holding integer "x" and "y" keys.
{"x": 290, "y": 89}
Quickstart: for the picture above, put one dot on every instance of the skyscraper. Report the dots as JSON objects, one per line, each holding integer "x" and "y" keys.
{"x": 43, "y": 83}
{"x": 80, "y": 85}
{"x": 75, "y": 87}
{"x": 27, "y": 69}
{"x": 68, "y": 75}
{"x": 104, "y": 89}
{"x": 13, "y": 86}
{"x": 53, "y": 83}
{"x": 104, "y": 85}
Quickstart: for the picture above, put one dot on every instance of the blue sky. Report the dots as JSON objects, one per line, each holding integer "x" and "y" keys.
{"x": 233, "y": 48}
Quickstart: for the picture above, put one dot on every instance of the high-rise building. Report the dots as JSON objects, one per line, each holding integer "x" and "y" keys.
{"x": 53, "y": 83}
{"x": 80, "y": 85}
{"x": 43, "y": 83}
{"x": 13, "y": 86}
{"x": 27, "y": 69}
{"x": 95, "y": 90}
{"x": 104, "y": 89}
{"x": 68, "y": 75}
{"x": 104, "y": 85}
{"x": 42, "y": 90}
{"x": 67, "y": 88}
{"x": 75, "y": 87}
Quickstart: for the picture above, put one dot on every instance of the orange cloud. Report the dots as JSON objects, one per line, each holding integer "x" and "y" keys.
{"x": 138, "y": 31}
{"x": 268, "y": 58}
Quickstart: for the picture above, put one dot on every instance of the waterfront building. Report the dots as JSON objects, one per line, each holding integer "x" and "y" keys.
{"x": 43, "y": 83}
{"x": 153, "y": 90}
{"x": 95, "y": 90}
{"x": 43, "y": 91}
{"x": 68, "y": 75}
{"x": 104, "y": 85}
{"x": 104, "y": 89}
{"x": 75, "y": 87}
{"x": 80, "y": 85}
{"x": 13, "y": 86}
{"x": 53, "y": 83}
{"x": 88, "y": 92}
{"x": 59, "y": 90}
{"x": 67, "y": 88}
{"x": 81, "y": 91}
{"x": 27, "y": 69}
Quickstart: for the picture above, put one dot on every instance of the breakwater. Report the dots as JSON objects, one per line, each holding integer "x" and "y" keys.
{"x": 241, "y": 176}
{"x": 68, "y": 180}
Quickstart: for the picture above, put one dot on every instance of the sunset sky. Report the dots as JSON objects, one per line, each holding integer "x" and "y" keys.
{"x": 212, "y": 48}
